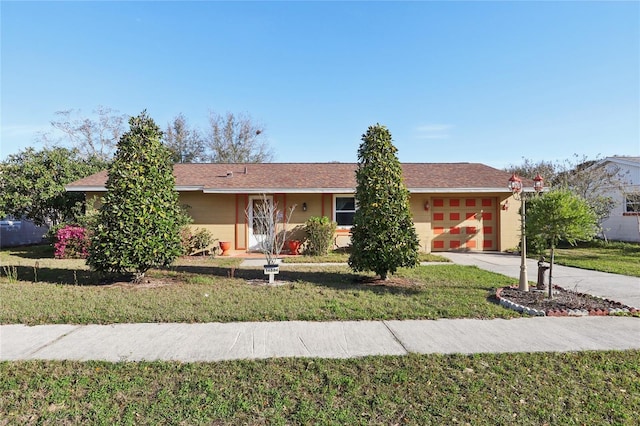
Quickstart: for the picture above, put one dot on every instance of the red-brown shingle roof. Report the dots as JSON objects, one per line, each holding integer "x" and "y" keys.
{"x": 317, "y": 177}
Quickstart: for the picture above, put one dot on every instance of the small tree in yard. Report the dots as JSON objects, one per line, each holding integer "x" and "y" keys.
{"x": 383, "y": 234}
{"x": 270, "y": 223}
{"x": 139, "y": 222}
{"x": 560, "y": 215}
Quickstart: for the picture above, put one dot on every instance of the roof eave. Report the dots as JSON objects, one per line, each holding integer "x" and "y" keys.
{"x": 102, "y": 188}
{"x": 457, "y": 190}
{"x": 277, "y": 190}
{"x": 85, "y": 188}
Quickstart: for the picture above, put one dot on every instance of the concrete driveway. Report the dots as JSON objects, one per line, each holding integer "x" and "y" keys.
{"x": 620, "y": 288}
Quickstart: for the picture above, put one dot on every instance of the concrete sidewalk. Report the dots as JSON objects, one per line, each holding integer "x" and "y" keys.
{"x": 258, "y": 340}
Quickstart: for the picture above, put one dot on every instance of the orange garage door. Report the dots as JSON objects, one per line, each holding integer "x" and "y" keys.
{"x": 463, "y": 224}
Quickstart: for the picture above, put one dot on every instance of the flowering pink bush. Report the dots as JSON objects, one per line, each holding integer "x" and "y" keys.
{"x": 71, "y": 243}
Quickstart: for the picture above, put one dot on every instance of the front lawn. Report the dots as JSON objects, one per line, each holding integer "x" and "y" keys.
{"x": 50, "y": 291}
{"x": 615, "y": 257}
{"x": 584, "y": 388}
{"x": 224, "y": 294}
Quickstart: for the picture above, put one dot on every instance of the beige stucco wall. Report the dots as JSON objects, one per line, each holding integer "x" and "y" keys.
{"x": 509, "y": 223}
{"x": 213, "y": 212}
{"x": 421, "y": 219}
{"x": 218, "y": 213}
{"x": 224, "y": 215}
{"x": 299, "y": 216}
{"x": 93, "y": 199}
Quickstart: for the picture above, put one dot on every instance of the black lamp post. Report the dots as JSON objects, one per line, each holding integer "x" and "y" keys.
{"x": 515, "y": 185}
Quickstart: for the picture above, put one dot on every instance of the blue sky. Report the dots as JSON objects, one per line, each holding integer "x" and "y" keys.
{"x": 487, "y": 82}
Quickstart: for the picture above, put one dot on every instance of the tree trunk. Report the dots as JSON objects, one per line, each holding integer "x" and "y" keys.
{"x": 138, "y": 276}
{"x": 551, "y": 271}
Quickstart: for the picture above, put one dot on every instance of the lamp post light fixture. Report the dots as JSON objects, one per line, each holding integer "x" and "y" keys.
{"x": 515, "y": 185}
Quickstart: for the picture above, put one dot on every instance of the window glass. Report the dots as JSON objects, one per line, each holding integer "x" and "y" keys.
{"x": 345, "y": 210}
{"x": 633, "y": 203}
{"x": 345, "y": 203}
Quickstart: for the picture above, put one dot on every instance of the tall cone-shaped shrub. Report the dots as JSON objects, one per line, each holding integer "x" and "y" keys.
{"x": 139, "y": 222}
{"x": 383, "y": 234}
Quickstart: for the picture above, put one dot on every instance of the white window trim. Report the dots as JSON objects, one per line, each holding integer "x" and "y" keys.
{"x": 335, "y": 196}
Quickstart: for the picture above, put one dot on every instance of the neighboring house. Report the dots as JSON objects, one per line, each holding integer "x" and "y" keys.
{"x": 623, "y": 224}
{"x": 455, "y": 206}
{"x": 22, "y": 232}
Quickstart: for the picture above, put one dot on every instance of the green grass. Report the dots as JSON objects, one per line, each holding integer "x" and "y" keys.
{"x": 589, "y": 388}
{"x": 209, "y": 293}
{"x": 614, "y": 257}
{"x": 36, "y": 289}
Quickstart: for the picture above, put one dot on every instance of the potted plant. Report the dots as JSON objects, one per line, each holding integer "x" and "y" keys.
{"x": 294, "y": 246}
{"x": 225, "y": 246}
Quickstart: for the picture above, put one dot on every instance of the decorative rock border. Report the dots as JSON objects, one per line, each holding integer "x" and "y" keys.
{"x": 566, "y": 312}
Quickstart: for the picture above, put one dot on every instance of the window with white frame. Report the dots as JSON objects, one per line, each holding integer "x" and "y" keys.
{"x": 345, "y": 210}
{"x": 632, "y": 203}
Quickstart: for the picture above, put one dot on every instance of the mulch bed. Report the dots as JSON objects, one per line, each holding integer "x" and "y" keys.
{"x": 391, "y": 281}
{"x": 563, "y": 303}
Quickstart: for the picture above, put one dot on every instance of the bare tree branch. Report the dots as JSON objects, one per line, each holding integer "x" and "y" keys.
{"x": 270, "y": 227}
{"x": 185, "y": 143}
{"x": 236, "y": 139}
{"x": 91, "y": 137}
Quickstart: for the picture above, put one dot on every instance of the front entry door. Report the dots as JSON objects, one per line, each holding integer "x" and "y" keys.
{"x": 255, "y": 202}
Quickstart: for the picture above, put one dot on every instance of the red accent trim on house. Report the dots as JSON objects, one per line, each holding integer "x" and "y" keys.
{"x": 486, "y": 202}
{"x": 470, "y": 202}
{"x": 438, "y": 244}
{"x": 487, "y": 230}
{"x": 285, "y": 209}
{"x": 454, "y": 202}
{"x": 454, "y": 230}
{"x": 437, "y": 230}
{"x": 471, "y": 230}
{"x": 454, "y": 244}
{"x": 246, "y": 221}
{"x": 487, "y": 243}
{"x": 235, "y": 225}
{"x": 471, "y": 244}
{"x": 487, "y": 216}
{"x": 438, "y": 216}
{"x": 438, "y": 202}
{"x": 470, "y": 216}
{"x": 454, "y": 216}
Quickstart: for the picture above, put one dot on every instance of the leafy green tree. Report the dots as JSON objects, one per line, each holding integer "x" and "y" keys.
{"x": 383, "y": 234}
{"x": 32, "y": 184}
{"x": 139, "y": 222}
{"x": 560, "y": 215}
